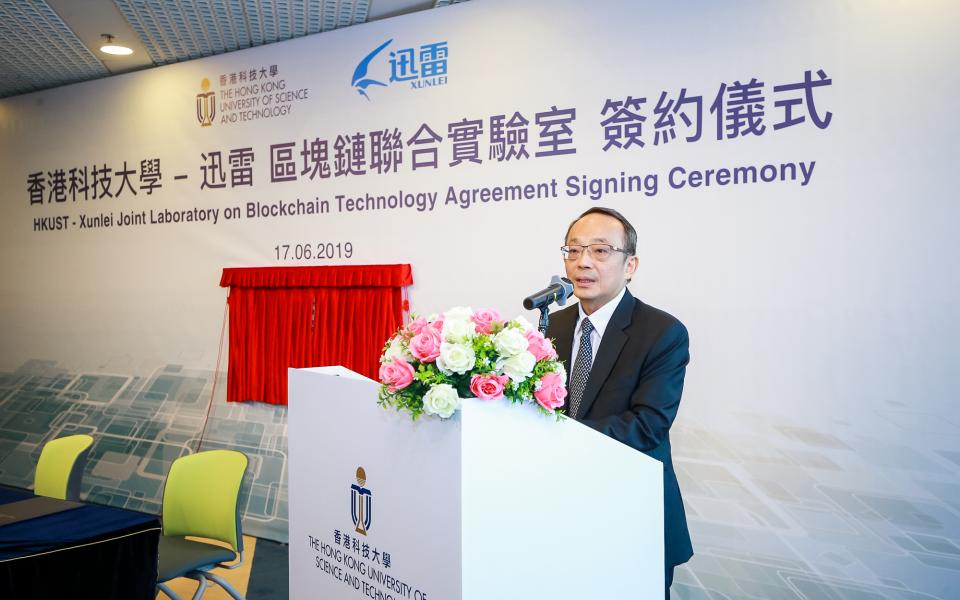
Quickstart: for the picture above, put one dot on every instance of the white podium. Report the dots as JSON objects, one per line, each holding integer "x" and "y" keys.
{"x": 499, "y": 502}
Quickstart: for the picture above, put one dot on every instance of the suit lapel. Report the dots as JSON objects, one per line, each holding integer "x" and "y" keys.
{"x": 564, "y": 322}
{"x": 611, "y": 344}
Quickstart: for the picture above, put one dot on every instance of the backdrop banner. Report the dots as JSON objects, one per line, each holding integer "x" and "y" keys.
{"x": 787, "y": 167}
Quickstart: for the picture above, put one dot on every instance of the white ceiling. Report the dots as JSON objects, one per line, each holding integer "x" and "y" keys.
{"x": 47, "y": 43}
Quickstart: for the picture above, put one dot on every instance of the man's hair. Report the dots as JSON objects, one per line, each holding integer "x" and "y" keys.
{"x": 629, "y": 233}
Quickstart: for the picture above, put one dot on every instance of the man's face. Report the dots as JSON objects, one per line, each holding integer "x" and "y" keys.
{"x": 597, "y": 282}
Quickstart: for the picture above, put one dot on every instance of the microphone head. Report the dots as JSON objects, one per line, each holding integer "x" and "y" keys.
{"x": 558, "y": 291}
{"x": 566, "y": 288}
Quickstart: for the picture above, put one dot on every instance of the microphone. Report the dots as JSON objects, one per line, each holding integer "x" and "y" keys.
{"x": 558, "y": 291}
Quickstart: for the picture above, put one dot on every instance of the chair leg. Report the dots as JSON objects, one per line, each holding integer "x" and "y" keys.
{"x": 226, "y": 586}
{"x": 166, "y": 590}
{"x": 202, "y": 584}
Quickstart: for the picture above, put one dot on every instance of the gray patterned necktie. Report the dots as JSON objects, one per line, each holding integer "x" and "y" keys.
{"x": 581, "y": 370}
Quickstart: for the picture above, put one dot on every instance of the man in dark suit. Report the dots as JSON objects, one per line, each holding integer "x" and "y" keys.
{"x": 625, "y": 359}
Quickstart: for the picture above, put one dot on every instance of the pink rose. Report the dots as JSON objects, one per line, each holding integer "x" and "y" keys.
{"x": 416, "y": 326}
{"x": 488, "y": 387}
{"x": 485, "y": 319}
{"x": 425, "y": 346}
{"x": 551, "y": 392}
{"x": 539, "y": 346}
{"x": 438, "y": 324}
{"x": 397, "y": 374}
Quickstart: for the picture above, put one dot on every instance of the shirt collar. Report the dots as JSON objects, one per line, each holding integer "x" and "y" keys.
{"x": 601, "y": 316}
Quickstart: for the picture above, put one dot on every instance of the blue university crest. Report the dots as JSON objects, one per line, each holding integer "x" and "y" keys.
{"x": 360, "y": 503}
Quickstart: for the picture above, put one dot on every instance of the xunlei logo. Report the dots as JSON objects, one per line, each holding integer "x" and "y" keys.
{"x": 419, "y": 67}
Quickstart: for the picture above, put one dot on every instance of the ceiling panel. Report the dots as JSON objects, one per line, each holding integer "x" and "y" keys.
{"x": 175, "y": 30}
{"x": 42, "y": 41}
{"x": 38, "y": 50}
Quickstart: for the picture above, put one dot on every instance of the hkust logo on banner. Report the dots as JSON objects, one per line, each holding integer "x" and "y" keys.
{"x": 418, "y": 67}
{"x": 206, "y": 104}
{"x": 249, "y": 94}
{"x": 361, "y": 503}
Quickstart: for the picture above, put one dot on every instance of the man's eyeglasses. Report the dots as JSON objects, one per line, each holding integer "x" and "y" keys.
{"x": 598, "y": 252}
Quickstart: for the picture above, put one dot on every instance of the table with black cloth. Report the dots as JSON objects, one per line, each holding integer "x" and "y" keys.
{"x": 90, "y": 551}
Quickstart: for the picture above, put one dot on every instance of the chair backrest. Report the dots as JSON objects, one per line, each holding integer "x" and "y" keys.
{"x": 60, "y": 468}
{"x": 200, "y": 496}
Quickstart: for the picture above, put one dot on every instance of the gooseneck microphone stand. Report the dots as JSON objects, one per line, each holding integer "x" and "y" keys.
{"x": 544, "y": 319}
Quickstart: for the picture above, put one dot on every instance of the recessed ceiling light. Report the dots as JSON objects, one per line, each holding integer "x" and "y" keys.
{"x": 109, "y": 47}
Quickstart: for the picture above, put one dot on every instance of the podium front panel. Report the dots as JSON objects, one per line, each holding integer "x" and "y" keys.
{"x": 556, "y": 510}
{"x": 397, "y": 532}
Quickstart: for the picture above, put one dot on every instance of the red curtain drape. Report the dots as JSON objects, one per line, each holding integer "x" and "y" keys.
{"x": 284, "y": 317}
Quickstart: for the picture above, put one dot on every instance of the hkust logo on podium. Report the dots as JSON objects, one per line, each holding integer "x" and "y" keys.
{"x": 361, "y": 500}
{"x": 358, "y": 562}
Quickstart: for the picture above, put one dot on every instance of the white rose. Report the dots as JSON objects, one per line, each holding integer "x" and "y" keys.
{"x": 510, "y": 342}
{"x": 455, "y": 358}
{"x": 522, "y": 323}
{"x": 559, "y": 369}
{"x": 518, "y": 367}
{"x": 396, "y": 350}
{"x": 458, "y": 313}
{"x": 441, "y": 400}
{"x": 457, "y": 330}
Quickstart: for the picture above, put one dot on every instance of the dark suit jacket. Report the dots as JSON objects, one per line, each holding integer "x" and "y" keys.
{"x": 633, "y": 393}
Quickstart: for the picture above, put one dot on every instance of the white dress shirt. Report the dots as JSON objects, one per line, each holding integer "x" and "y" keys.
{"x": 600, "y": 318}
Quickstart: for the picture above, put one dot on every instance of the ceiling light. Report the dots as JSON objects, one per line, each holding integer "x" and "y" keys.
{"x": 109, "y": 47}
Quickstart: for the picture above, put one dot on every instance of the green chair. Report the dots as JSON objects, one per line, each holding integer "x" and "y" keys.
{"x": 200, "y": 499}
{"x": 60, "y": 468}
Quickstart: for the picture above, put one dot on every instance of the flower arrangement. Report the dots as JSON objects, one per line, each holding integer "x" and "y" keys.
{"x": 432, "y": 363}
